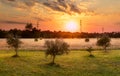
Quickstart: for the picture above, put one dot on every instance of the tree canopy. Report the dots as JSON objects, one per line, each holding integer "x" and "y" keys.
{"x": 57, "y": 47}
{"x": 104, "y": 41}
{"x": 14, "y": 42}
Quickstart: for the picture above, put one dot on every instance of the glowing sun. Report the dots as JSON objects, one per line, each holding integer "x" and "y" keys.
{"x": 71, "y": 26}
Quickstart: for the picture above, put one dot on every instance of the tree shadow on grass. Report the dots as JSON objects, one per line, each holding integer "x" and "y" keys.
{"x": 15, "y": 56}
{"x": 50, "y": 65}
{"x": 90, "y": 56}
{"x": 53, "y": 65}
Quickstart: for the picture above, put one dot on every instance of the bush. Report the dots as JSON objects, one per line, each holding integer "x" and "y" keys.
{"x": 87, "y": 40}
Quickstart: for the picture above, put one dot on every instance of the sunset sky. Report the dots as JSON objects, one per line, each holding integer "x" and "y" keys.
{"x": 59, "y": 15}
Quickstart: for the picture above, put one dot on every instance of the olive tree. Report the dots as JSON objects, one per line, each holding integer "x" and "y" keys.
{"x": 56, "y": 47}
{"x": 104, "y": 41}
{"x": 14, "y": 42}
{"x": 90, "y": 49}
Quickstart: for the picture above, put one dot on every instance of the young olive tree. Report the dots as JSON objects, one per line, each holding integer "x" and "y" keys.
{"x": 54, "y": 48}
{"x": 14, "y": 42}
{"x": 104, "y": 41}
{"x": 90, "y": 49}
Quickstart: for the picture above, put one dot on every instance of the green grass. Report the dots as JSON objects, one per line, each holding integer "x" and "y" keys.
{"x": 76, "y": 63}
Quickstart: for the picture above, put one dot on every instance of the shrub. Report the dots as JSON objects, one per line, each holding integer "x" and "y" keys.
{"x": 87, "y": 39}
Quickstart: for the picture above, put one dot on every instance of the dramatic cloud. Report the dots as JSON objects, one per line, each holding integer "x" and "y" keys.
{"x": 63, "y": 6}
{"x": 19, "y": 3}
{"x": 66, "y": 6}
{"x": 75, "y": 9}
{"x": 12, "y": 22}
{"x": 69, "y": 6}
{"x": 40, "y": 19}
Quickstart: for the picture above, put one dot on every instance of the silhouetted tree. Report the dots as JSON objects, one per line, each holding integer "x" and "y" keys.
{"x": 36, "y": 33}
{"x": 3, "y": 33}
{"x": 15, "y": 32}
{"x": 29, "y": 26}
{"x": 57, "y": 47}
{"x": 32, "y": 32}
{"x": 14, "y": 42}
{"x": 104, "y": 41}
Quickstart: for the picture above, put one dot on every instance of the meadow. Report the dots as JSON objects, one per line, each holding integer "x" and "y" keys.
{"x": 76, "y": 63}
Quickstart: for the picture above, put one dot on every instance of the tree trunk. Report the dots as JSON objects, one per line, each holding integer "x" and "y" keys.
{"x": 90, "y": 53}
{"x": 16, "y": 50}
{"x": 53, "y": 61}
{"x": 105, "y": 49}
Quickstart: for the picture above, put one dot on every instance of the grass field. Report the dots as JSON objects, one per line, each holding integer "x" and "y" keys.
{"x": 76, "y": 63}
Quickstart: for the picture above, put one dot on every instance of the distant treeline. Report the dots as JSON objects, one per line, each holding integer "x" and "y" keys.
{"x": 35, "y": 33}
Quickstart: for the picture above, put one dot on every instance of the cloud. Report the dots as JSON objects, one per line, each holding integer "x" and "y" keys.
{"x": 12, "y": 22}
{"x": 39, "y": 19}
{"x": 24, "y": 4}
{"x": 106, "y": 7}
{"x": 62, "y": 3}
{"x": 67, "y": 6}
{"x": 117, "y": 23}
{"x": 55, "y": 7}
{"x": 75, "y": 9}
{"x": 11, "y": 0}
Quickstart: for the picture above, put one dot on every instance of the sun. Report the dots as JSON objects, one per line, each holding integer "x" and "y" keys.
{"x": 71, "y": 26}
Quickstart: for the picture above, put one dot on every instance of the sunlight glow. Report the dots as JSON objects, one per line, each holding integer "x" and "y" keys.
{"x": 71, "y": 26}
